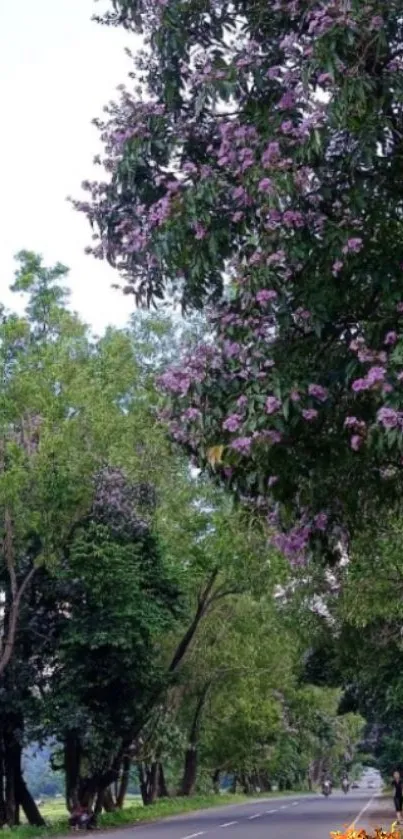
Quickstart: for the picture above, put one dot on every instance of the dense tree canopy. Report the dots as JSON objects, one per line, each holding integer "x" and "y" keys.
{"x": 256, "y": 170}
{"x": 146, "y": 634}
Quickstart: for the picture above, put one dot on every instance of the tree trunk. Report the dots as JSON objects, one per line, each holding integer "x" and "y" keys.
{"x": 234, "y": 783}
{"x": 3, "y": 814}
{"x": 149, "y": 780}
{"x": 10, "y": 761}
{"x": 216, "y": 782}
{"x": 28, "y": 805}
{"x": 191, "y": 755}
{"x": 163, "y": 791}
{"x": 123, "y": 783}
{"x": 72, "y": 770}
{"x": 107, "y": 801}
{"x": 190, "y": 771}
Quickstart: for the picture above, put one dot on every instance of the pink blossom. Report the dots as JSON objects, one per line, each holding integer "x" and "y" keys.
{"x": 272, "y": 480}
{"x": 265, "y": 295}
{"x": 232, "y": 423}
{"x": 353, "y": 245}
{"x": 376, "y": 375}
{"x": 320, "y": 521}
{"x": 272, "y": 405}
{"x": 356, "y": 442}
{"x": 295, "y": 396}
{"x": 287, "y": 101}
{"x": 266, "y": 185}
{"x": 390, "y": 339}
{"x": 337, "y": 266}
{"x": 309, "y": 414}
{"x": 359, "y": 384}
{"x": 318, "y": 392}
{"x": 192, "y": 414}
{"x": 389, "y": 418}
{"x": 354, "y": 422}
{"x": 242, "y": 444}
{"x": 200, "y": 231}
{"x": 377, "y": 22}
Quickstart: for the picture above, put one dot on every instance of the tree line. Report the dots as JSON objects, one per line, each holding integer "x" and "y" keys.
{"x": 142, "y": 632}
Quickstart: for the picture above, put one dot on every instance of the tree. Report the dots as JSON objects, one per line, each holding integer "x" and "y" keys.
{"x": 257, "y": 171}
{"x": 68, "y": 421}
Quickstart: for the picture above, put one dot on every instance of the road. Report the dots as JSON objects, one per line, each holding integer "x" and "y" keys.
{"x": 304, "y": 817}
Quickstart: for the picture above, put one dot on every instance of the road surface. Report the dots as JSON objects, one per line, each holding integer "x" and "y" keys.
{"x": 299, "y": 817}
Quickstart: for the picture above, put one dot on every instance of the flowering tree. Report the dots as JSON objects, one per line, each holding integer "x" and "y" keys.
{"x": 260, "y": 176}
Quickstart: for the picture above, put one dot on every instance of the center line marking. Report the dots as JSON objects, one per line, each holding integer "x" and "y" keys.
{"x": 193, "y": 835}
{"x": 295, "y": 803}
{"x": 256, "y": 816}
{"x": 228, "y": 824}
{"x": 284, "y": 807}
{"x": 271, "y": 811}
{"x": 361, "y": 813}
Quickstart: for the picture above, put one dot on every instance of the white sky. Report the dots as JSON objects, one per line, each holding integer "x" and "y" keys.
{"x": 57, "y": 71}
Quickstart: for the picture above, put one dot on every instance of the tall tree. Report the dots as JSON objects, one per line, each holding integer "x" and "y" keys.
{"x": 258, "y": 169}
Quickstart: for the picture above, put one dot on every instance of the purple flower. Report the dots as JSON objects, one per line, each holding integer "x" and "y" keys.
{"x": 309, "y": 414}
{"x": 318, "y": 392}
{"x": 272, "y": 405}
{"x": 320, "y": 521}
{"x": 231, "y": 349}
{"x": 356, "y": 442}
{"x": 375, "y": 375}
{"x": 232, "y": 423}
{"x": 192, "y": 414}
{"x": 389, "y": 418}
{"x": 353, "y": 245}
{"x": 266, "y": 185}
{"x": 287, "y": 101}
{"x": 390, "y": 339}
{"x": 272, "y": 481}
{"x": 377, "y": 22}
{"x": 271, "y": 154}
{"x": 337, "y": 266}
{"x": 295, "y": 396}
{"x": 242, "y": 444}
{"x": 359, "y": 384}
{"x": 265, "y": 295}
{"x": 242, "y": 401}
{"x": 354, "y": 422}
{"x": 200, "y": 231}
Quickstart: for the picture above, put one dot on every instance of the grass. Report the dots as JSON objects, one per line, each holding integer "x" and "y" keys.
{"x": 54, "y": 812}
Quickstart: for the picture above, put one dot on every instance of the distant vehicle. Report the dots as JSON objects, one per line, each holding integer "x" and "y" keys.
{"x": 355, "y": 785}
{"x": 326, "y": 788}
{"x": 371, "y": 785}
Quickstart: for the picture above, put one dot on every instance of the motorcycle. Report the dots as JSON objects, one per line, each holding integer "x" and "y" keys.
{"x": 345, "y": 786}
{"x": 326, "y": 788}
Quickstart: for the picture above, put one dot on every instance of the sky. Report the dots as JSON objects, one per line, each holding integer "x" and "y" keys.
{"x": 57, "y": 71}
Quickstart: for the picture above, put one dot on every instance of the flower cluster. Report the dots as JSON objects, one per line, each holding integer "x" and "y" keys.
{"x": 247, "y": 165}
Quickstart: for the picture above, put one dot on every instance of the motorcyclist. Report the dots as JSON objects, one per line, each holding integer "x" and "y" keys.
{"x": 326, "y": 785}
{"x": 345, "y": 784}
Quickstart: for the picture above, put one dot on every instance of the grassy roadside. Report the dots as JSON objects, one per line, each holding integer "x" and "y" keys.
{"x": 137, "y": 814}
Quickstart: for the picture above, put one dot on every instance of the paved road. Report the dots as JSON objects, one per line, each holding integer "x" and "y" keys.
{"x": 305, "y": 817}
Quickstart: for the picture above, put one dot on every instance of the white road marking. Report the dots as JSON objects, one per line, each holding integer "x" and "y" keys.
{"x": 269, "y": 812}
{"x": 193, "y": 835}
{"x": 361, "y": 813}
{"x": 295, "y": 804}
{"x": 256, "y": 816}
{"x": 284, "y": 807}
{"x": 228, "y": 824}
